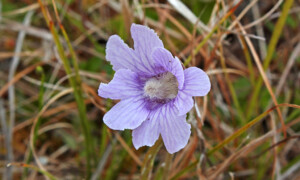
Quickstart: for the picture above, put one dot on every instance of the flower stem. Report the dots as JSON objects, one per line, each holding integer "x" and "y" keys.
{"x": 168, "y": 162}
{"x": 149, "y": 160}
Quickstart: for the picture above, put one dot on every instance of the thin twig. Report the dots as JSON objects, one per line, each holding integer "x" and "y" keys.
{"x": 47, "y": 85}
{"x": 25, "y": 9}
{"x": 30, "y": 30}
{"x": 269, "y": 13}
{"x": 242, "y": 14}
{"x": 260, "y": 32}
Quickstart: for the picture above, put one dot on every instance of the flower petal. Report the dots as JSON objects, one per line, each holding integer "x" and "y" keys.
{"x": 125, "y": 84}
{"x": 175, "y": 131}
{"x": 164, "y": 61}
{"x": 127, "y": 114}
{"x": 147, "y": 133}
{"x": 145, "y": 41}
{"x": 183, "y": 102}
{"x": 196, "y": 82}
{"x": 119, "y": 54}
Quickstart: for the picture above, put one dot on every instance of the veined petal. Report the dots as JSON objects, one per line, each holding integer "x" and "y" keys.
{"x": 145, "y": 41}
{"x": 125, "y": 84}
{"x": 183, "y": 102}
{"x": 175, "y": 131}
{"x": 127, "y": 114}
{"x": 164, "y": 61}
{"x": 119, "y": 54}
{"x": 196, "y": 82}
{"x": 147, "y": 133}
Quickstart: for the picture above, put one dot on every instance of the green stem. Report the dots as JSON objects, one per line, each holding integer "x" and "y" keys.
{"x": 149, "y": 160}
{"x": 271, "y": 48}
{"x": 75, "y": 84}
{"x": 80, "y": 101}
{"x": 168, "y": 162}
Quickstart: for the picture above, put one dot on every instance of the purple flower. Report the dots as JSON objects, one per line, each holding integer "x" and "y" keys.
{"x": 155, "y": 91}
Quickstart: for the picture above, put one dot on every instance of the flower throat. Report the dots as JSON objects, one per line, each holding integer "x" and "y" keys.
{"x": 161, "y": 87}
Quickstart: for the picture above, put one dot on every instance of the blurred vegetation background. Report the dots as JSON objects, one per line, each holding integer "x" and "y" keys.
{"x": 52, "y": 60}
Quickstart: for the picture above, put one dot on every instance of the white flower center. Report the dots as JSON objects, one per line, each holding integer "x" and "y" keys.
{"x": 161, "y": 87}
